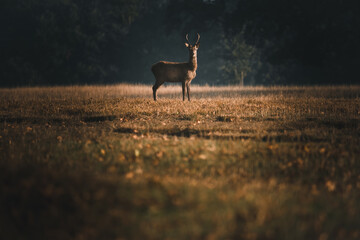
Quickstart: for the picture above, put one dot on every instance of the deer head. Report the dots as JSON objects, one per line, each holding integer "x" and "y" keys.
{"x": 192, "y": 48}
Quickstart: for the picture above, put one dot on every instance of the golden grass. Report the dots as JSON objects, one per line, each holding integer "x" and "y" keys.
{"x": 107, "y": 162}
{"x": 174, "y": 91}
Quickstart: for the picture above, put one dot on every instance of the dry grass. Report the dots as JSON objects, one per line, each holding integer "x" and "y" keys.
{"x": 107, "y": 162}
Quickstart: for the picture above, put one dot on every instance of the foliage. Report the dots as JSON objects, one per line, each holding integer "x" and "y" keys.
{"x": 310, "y": 40}
{"x": 107, "y": 162}
{"x": 63, "y": 40}
{"x": 239, "y": 58}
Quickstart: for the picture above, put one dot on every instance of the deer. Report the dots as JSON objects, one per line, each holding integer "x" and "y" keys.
{"x": 183, "y": 72}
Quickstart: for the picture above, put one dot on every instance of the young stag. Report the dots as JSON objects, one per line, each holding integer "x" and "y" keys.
{"x": 177, "y": 72}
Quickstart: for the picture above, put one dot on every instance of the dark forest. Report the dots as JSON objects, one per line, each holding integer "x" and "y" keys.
{"x": 250, "y": 42}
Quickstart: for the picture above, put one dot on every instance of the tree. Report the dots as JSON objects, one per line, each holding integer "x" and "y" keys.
{"x": 239, "y": 58}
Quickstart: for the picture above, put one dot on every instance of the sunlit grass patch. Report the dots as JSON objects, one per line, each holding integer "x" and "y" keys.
{"x": 234, "y": 163}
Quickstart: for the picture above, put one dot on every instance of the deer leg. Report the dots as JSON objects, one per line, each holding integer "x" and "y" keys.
{"x": 183, "y": 90}
{"x": 188, "y": 90}
{"x": 155, "y": 87}
{"x": 154, "y": 92}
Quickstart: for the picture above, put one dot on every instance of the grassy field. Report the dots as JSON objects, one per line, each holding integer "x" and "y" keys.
{"x": 107, "y": 162}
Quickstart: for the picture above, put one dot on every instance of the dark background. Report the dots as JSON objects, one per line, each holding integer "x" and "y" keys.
{"x": 267, "y": 42}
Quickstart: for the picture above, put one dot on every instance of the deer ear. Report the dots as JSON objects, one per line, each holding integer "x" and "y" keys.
{"x": 187, "y": 45}
{"x": 197, "y": 45}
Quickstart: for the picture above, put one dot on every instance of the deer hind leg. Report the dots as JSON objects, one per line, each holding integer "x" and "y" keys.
{"x": 155, "y": 87}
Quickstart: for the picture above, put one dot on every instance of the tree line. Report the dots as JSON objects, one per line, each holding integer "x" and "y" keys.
{"x": 61, "y": 42}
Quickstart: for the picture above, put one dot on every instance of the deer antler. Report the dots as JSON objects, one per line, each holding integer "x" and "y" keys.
{"x": 187, "y": 38}
{"x": 198, "y": 39}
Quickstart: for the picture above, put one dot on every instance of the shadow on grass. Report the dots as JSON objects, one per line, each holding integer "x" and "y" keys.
{"x": 40, "y": 120}
{"x": 38, "y": 203}
{"x": 34, "y": 120}
{"x": 99, "y": 118}
{"x": 206, "y": 134}
{"x": 338, "y": 124}
{"x": 229, "y": 118}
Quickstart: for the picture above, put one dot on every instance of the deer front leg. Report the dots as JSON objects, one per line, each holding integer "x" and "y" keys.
{"x": 183, "y": 90}
{"x": 188, "y": 90}
{"x": 154, "y": 92}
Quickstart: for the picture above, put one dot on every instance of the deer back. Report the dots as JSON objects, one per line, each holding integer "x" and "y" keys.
{"x": 171, "y": 71}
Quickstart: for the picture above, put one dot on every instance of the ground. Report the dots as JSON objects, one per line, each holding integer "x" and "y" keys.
{"x": 107, "y": 162}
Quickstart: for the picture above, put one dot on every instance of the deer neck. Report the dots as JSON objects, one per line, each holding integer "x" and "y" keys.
{"x": 193, "y": 62}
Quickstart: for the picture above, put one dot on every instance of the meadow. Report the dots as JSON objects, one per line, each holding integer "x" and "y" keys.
{"x": 107, "y": 162}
